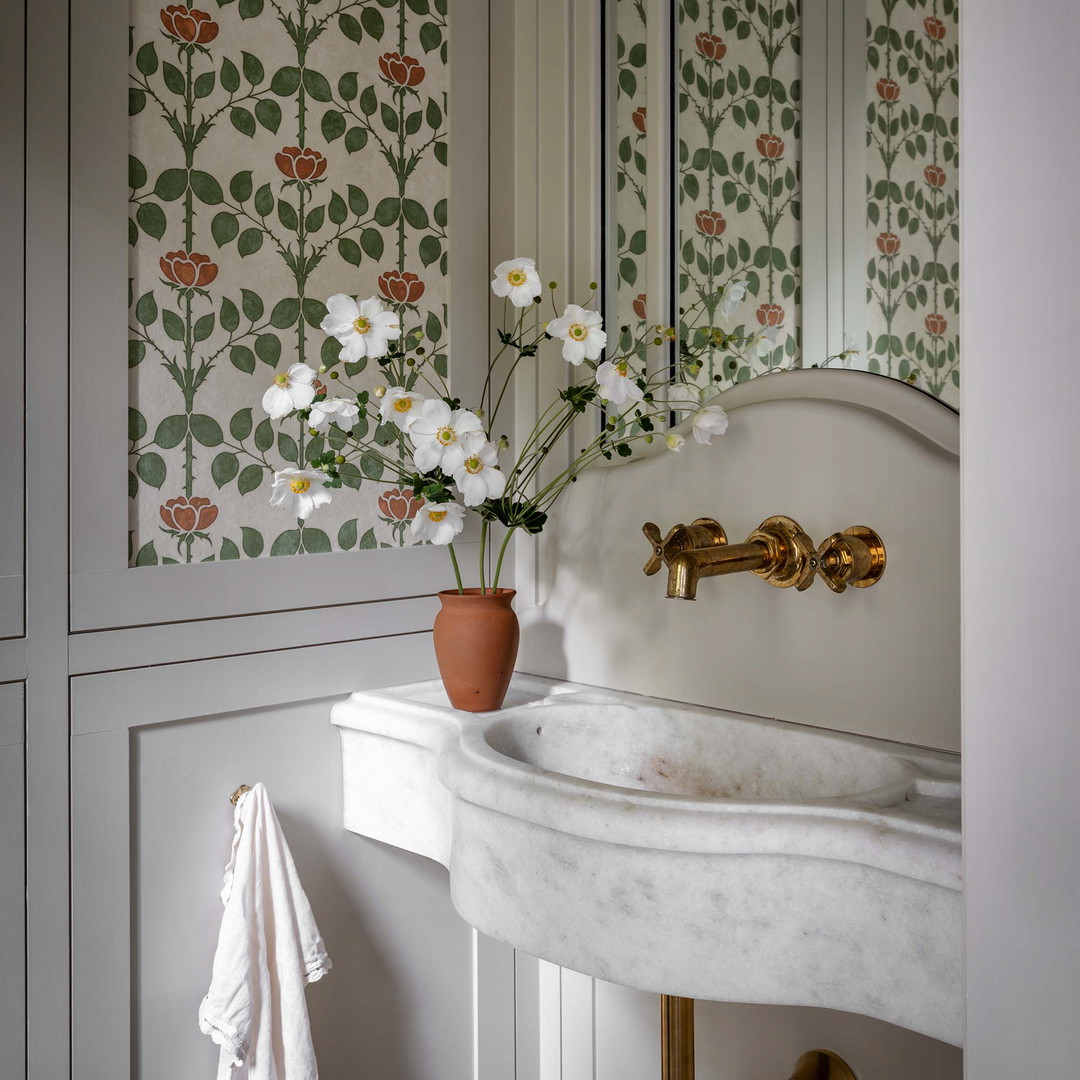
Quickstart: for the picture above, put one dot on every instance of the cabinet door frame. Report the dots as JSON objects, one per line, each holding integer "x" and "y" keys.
{"x": 105, "y": 591}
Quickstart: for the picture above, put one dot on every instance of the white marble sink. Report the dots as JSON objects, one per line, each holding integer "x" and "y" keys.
{"x": 678, "y": 849}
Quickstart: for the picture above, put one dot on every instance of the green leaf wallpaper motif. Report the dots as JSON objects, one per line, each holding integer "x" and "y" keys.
{"x": 738, "y": 116}
{"x": 281, "y": 151}
{"x": 629, "y": 167}
{"x": 913, "y": 232}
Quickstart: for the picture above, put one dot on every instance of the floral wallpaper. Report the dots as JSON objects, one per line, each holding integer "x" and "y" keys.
{"x": 629, "y": 166}
{"x": 280, "y": 151}
{"x": 913, "y": 238}
{"x": 738, "y": 72}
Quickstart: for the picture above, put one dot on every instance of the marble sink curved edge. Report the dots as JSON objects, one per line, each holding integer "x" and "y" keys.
{"x": 834, "y": 902}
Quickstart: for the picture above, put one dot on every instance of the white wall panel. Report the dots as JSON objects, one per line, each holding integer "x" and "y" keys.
{"x": 397, "y": 1002}
{"x": 152, "y": 829}
{"x": 12, "y": 885}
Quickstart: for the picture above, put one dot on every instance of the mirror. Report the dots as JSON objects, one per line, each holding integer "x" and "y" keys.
{"x": 806, "y": 154}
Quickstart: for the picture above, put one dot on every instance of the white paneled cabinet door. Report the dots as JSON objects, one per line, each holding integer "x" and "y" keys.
{"x": 12, "y": 884}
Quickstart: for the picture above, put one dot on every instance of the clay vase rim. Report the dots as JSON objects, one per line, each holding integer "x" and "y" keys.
{"x": 476, "y": 594}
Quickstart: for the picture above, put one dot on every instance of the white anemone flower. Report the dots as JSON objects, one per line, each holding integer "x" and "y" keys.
{"x": 478, "y": 477}
{"x": 765, "y": 342}
{"x": 616, "y": 382}
{"x": 333, "y": 411}
{"x": 400, "y": 407}
{"x": 682, "y": 397}
{"x": 675, "y": 442}
{"x": 436, "y": 435}
{"x": 437, "y": 523}
{"x": 581, "y": 333}
{"x": 300, "y": 491}
{"x": 290, "y": 390}
{"x": 517, "y": 280}
{"x": 707, "y": 422}
{"x": 734, "y": 295}
{"x": 364, "y": 329}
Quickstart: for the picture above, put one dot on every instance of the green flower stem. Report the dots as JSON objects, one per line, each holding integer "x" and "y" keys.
{"x": 457, "y": 569}
{"x": 483, "y": 551}
{"x": 499, "y": 562}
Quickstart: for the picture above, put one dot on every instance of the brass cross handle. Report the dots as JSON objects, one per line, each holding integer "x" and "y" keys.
{"x": 854, "y": 557}
{"x": 702, "y": 532}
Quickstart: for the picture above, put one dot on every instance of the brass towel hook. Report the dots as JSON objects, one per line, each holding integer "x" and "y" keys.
{"x": 234, "y": 798}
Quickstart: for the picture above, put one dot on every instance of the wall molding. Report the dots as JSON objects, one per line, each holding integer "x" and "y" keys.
{"x": 906, "y": 406}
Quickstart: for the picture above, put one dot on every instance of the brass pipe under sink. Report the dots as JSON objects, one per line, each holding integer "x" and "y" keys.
{"x": 677, "y": 1048}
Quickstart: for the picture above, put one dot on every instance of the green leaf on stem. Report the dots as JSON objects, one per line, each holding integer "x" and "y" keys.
{"x": 268, "y": 113}
{"x": 346, "y": 536}
{"x": 251, "y": 476}
{"x": 287, "y": 543}
{"x": 251, "y": 539}
{"x": 151, "y": 469}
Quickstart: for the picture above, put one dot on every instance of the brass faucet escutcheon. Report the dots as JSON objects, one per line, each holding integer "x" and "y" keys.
{"x": 777, "y": 550}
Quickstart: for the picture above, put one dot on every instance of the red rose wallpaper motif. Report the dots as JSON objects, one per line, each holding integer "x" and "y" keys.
{"x": 188, "y": 271}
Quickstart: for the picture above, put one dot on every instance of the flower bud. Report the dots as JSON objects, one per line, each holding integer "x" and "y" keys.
{"x": 339, "y": 460}
{"x": 648, "y": 438}
{"x": 333, "y": 374}
{"x": 593, "y": 286}
{"x": 312, "y": 431}
{"x": 504, "y": 443}
{"x": 478, "y": 413}
{"x": 379, "y": 391}
{"x": 553, "y": 285}
{"x": 322, "y": 369}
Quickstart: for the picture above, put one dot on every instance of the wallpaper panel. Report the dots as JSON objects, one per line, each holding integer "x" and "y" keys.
{"x": 738, "y": 86}
{"x": 913, "y": 233}
{"x": 281, "y": 151}
{"x": 630, "y": 168}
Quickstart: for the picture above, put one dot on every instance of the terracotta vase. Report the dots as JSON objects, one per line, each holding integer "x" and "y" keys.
{"x": 476, "y": 644}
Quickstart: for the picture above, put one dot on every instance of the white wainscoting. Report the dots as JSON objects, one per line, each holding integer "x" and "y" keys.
{"x": 414, "y": 994}
{"x": 12, "y": 883}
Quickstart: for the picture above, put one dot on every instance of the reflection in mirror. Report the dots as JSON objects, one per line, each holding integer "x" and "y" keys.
{"x": 807, "y": 215}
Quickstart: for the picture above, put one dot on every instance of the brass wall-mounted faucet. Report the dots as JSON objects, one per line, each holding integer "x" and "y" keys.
{"x": 777, "y": 550}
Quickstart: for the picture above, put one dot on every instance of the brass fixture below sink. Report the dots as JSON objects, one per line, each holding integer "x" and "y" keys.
{"x": 677, "y": 1048}
{"x": 777, "y": 550}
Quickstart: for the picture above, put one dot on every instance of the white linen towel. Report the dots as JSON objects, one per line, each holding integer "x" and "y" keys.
{"x": 268, "y": 950}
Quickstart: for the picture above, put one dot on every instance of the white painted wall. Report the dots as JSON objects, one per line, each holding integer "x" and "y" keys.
{"x": 1021, "y": 223}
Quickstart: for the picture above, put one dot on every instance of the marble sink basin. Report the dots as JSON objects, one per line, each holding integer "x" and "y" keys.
{"x": 675, "y": 848}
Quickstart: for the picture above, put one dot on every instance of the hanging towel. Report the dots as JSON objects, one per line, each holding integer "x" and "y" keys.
{"x": 268, "y": 950}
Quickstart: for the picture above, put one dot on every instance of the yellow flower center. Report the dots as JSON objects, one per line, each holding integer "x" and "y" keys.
{"x": 474, "y": 465}
{"x": 516, "y": 278}
{"x": 361, "y": 325}
{"x": 437, "y": 515}
{"x": 300, "y": 485}
{"x": 578, "y": 331}
{"x": 282, "y": 379}
{"x": 623, "y": 368}
{"x": 446, "y": 435}
{"x": 403, "y": 404}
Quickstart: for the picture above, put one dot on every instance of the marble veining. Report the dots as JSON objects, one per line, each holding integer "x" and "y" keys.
{"x": 675, "y": 848}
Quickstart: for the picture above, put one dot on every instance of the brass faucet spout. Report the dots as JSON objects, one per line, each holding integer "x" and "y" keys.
{"x": 778, "y": 551}
{"x": 688, "y": 567}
